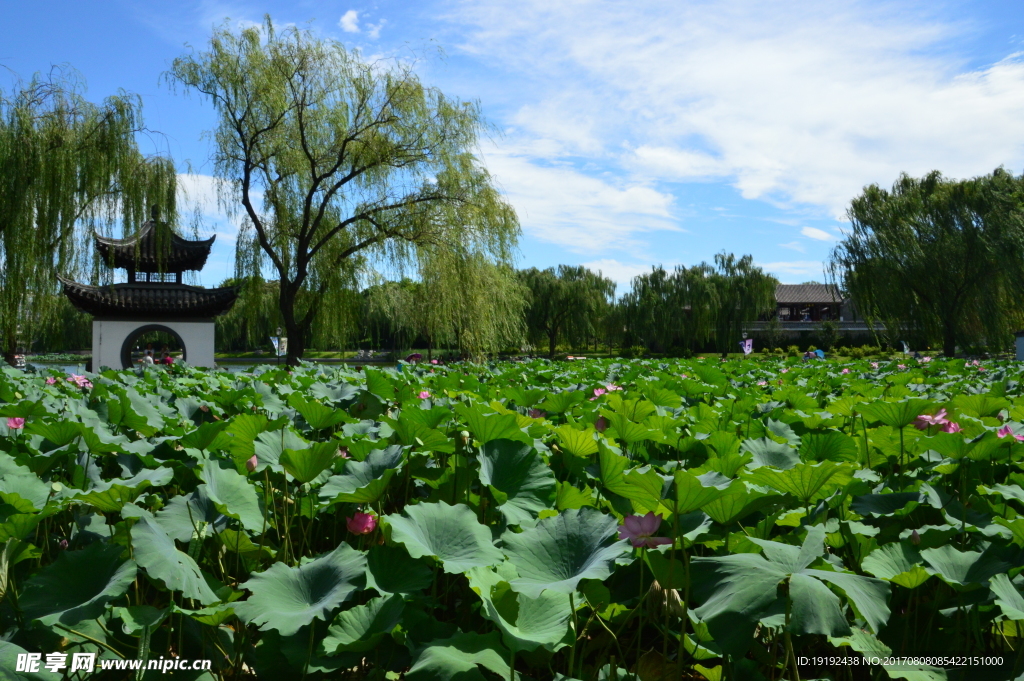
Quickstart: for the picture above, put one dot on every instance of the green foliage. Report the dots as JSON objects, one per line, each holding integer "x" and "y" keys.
{"x": 358, "y": 164}
{"x": 937, "y": 259}
{"x": 567, "y": 305}
{"x": 464, "y": 535}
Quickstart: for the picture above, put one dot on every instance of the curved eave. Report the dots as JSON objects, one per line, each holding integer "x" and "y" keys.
{"x": 150, "y": 300}
{"x": 139, "y": 253}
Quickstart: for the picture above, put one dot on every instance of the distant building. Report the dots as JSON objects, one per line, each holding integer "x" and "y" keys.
{"x": 808, "y": 303}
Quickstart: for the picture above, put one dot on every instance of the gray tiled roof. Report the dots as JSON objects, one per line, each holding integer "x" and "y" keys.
{"x": 150, "y": 250}
{"x": 141, "y": 300}
{"x": 794, "y": 294}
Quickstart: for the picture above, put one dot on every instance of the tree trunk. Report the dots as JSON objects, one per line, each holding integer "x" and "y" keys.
{"x": 949, "y": 340}
{"x": 296, "y": 332}
{"x": 552, "y": 337}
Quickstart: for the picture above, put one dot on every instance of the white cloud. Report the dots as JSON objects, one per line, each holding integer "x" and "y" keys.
{"x": 349, "y": 22}
{"x": 794, "y": 245}
{"x": 819, "y": 234}
{"x": 558, "y": 204}
{"x": 374, "y": 29}
{"x": 619, "y": 272}
{"x": 794, "y": 271}
{"x": 794, "y": 103}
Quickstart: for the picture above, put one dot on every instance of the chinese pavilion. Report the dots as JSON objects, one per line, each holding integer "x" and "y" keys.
{"x": 153, "y": 299}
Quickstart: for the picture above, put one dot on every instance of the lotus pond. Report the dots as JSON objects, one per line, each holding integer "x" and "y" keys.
{"x": 590, "y": 520}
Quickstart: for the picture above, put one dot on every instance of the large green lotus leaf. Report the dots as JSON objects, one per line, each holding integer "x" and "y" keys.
{"x": 897, "y": 562}
{"x": 736, "y": 503}
{"x": 240, "y": 435}
{"x": 828, "y": 446}
{"x": 361, "y": 628}
{"x": 487, "y": 427}
{"x": 183, "y": 515}
{"x": 288, "y": 598}
{"x": 459, "y": 658}
{"x": 110, "y": 496}
{"x": 694, "y": 492}
{"x": 156, "y": 553}
{"x": 520, "y": 481}
{"x": 318, "y": 416}
{"x": 792, "y": 558}
{"x": 202, "y": 437}
{"x": 9, "y": 662}
{"x": 449, "y": 533}
{"x": 25, "y": 491}
{"x": 869, "y": 596}
{"x": 391, "y": 570}
{"x": 742, "y": 585}
{"x": 59, "y": 433}
{"x": 306, "y": 464}
{"x": 363, "y": 482}
{"x": 643, "y": 490}
{"x": 980, "y": 405}
{"x": 270, "y": 445}
{"x": 559, "y": 403}
{"x": 785, "y": 431}
{"x": 561, "y": 550}
{"x": 963, "y": 568}
{"x": 767, "y": 452}
{"x": 413, "y": 433}
{"x": 78, "y": 585}
{"x": 815, "y": 609}
{"x": 803, "y": 480}
{"x": 1007, "y": 597}
{"x": 14, "y": 525}
{"x": 896, "y": 503}
{"x": 577, "y": 442}
{"x": 896, "y": 414}
{"x": 232, "y": 494}
{"x": 525, "y": 623}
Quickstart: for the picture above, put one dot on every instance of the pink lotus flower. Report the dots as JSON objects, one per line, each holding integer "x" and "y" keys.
{"x": 612, "y": 386}
{"x": 784, "y": 371}
{"x": 845, "y": 371}
{"x": 901, "y": 366}
{"x": 682, "y": 376}
{"x": 601, "y": 424}
{"x": 762, "y": 382}
{"x": 433, "y": 361}
{"x": 361, "y": 523}
{"x": 951, "y": 427}
{"x": 874, "y": 365}
{"x": 50, "y": 380}
{"x": 15, "y": 422}
{"x": 343, "y": 452}
{"x": 1006, "y": 430}
{"x": 925, "y": 360}
{"x": 424, "y": 395}
{"x": 599, "y": 391}
{"x": 250, "y": 464}
{"x": 638, "y": 530}
{"x": 80, "y": 381}
{"x": 537, "y": 413}
{"x": 976, "y": 363}
{"x": 924, "y": 421}
{"x": 981, "y": 369}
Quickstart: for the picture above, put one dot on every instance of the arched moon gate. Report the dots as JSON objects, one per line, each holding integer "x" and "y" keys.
{"x": 153, "y": 299}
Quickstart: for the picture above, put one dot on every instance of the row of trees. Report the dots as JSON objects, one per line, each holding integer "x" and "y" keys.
{"x": 938, "y": 261}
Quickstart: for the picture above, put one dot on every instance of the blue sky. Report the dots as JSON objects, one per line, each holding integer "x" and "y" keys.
{"x": 630, "y": 134}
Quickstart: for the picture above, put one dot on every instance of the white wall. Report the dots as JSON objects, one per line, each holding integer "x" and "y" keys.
{"x": 109, "y": 336}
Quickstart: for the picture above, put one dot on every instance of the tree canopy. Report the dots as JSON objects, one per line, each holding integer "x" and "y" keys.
{"x": 67, "y": 167}
{"x": 566, "y": 304}
{"x": 342, "y": 166}
{"x": 684, "y": 310}
{"x": 938, "y": 260}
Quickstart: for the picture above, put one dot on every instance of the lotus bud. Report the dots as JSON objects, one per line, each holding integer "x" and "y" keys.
{"x": 250, "y": 465}
{"x": 915, "y": 538}
{"x": 361, "y": 523}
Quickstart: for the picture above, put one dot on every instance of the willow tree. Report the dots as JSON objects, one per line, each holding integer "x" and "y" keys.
{"x": 692, "y": 306}
{"x": 340, "y": 167}
{"x": 566, "y": 304}
{"x": 938, "y": 259}
{"x": 67, "y": 167}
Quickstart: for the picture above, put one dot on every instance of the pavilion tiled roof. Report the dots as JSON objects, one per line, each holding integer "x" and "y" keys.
{"x": 803, "y": 294}
{"x": 142, "y": 300}
{"x": 154, "y": 249}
